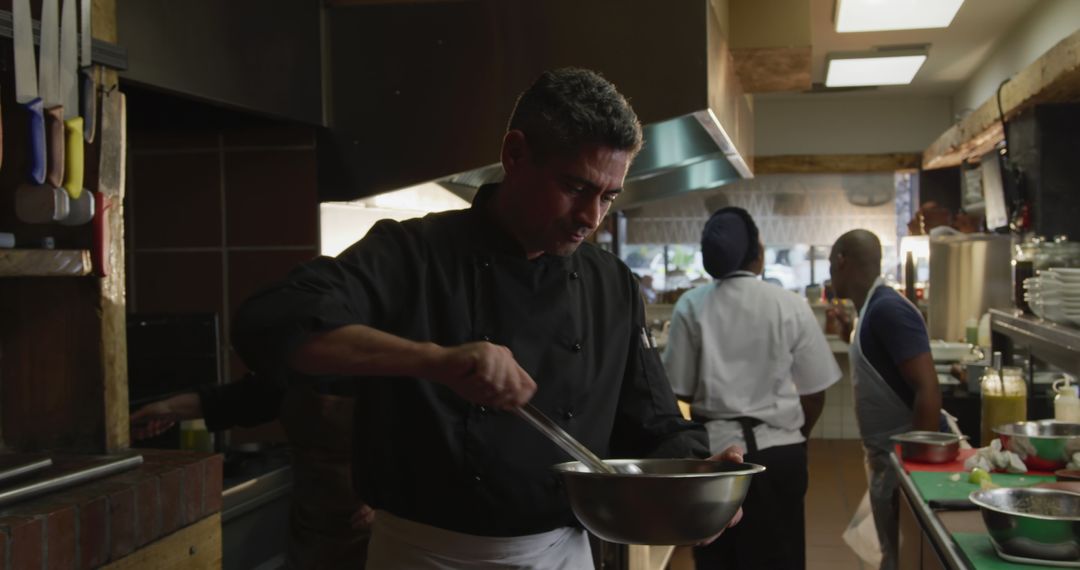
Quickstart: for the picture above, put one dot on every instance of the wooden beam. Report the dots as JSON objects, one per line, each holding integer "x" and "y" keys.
{"x": 339, "y": 3}
{"x": 1052, "y": 78}
{"x": 113, "y": 299}
{"x": 765, "y": 70}
{"x": 835, "y": 163}
{"x": 194, "y": 546}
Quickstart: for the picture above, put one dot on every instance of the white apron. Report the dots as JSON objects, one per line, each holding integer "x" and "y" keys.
{"x": 881, "y": 414}
{"x": 398, "y": 543}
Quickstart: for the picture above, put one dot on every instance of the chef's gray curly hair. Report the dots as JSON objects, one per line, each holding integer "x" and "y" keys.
{"x": 567, "y": 108}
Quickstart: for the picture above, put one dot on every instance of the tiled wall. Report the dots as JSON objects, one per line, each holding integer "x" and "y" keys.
{"x": 837, "y": 420}
{"x": 214, "y": 215}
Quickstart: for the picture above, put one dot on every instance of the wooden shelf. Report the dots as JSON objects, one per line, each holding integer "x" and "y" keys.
{"x": 1052, "y": 78}
{"x": 44, "y": 262}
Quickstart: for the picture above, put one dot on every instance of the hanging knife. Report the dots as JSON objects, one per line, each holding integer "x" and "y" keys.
{"x": 26, "y": 87}
{"x": 49, "y": 84}
{"x": 86, "y": 65}
{"x": 69, "y": 98}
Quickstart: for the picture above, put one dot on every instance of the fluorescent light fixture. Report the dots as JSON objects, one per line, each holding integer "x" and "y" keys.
{"x": 879, "y": 15}
{"x": 873, "y": 68}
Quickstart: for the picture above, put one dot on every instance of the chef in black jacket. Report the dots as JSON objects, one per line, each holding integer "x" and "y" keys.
{"x": 449, "y": 321}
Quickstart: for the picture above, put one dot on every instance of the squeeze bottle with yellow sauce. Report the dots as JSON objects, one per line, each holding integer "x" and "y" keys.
{"x": 1004, "y": 398}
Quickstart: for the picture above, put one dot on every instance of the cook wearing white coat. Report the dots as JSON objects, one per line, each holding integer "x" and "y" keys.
{"x": 754, "y": 364}
{"x": 896, "y": 386}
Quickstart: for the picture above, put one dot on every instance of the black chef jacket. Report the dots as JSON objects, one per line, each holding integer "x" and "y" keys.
{"x": 574, "y": 323}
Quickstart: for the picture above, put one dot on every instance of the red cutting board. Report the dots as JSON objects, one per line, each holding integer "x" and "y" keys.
{"x": 951, "y": 467}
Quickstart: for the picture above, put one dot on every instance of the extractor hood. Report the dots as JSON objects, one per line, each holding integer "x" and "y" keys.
{"x": 421, "y": 92}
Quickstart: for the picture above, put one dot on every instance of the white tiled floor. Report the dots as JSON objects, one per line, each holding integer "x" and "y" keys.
{"x": 837, "y": 484}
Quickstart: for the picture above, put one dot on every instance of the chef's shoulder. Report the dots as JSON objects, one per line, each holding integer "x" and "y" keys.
{"x": 790, "y": 301}
{"x": 411, "y": 235}
{"x": 603, "y": 265}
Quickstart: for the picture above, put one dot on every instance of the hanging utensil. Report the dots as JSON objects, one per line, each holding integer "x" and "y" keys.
{"x": 51, "y": 98}
{"x": 571, "y": 446}
{"x": 89, "y": 78}
{"x": 82, "y": 209}
{"x": 26, "y": 86}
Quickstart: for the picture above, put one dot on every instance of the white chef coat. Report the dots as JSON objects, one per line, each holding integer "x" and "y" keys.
{"x": 744, "y": 347}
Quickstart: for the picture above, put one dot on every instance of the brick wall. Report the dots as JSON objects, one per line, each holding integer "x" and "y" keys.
{"x": 104, "y": 520}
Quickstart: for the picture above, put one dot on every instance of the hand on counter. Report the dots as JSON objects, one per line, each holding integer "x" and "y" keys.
{"x": 363, "y": 518}
{"x": 156, "y": 417}
{"x": 842, "y": 320}
{"x": 734, "y": 454}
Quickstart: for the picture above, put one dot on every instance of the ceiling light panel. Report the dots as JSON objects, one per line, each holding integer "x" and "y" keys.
{"x": 897, "y": 69}
{"x": 880, "y": 15}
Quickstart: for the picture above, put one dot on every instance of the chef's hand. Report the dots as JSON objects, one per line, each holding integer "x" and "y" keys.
{"x": 483, "y": 373}
{"x": 156, "y": 417}
{"x": 733, "y": 454}
{"x": 843, "y": 320}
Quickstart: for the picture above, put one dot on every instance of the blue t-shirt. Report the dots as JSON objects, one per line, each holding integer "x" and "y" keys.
{"x": 893, "y": 332}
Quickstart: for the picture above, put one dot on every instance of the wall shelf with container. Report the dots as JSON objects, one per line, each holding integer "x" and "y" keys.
{"x": 44, "y": 262}
{"x": 1043, "y": 343}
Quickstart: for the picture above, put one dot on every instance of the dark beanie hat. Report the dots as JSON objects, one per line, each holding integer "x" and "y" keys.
{"x": 729, "y": 241}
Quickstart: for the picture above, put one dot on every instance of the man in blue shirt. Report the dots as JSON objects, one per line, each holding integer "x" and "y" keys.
{"x": 896, "y": 386}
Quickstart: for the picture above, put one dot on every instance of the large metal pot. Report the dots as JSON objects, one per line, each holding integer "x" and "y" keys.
{"x": 673, "y": 501}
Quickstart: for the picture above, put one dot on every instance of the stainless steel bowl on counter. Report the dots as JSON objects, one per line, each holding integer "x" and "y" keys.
{"x": 672, "y": 501}
{"x": 928, "y": 446}
{"x": 1045, "y": 445}
{"x": 1032, "y": 524}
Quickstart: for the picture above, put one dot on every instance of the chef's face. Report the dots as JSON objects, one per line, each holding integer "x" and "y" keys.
{"x": 559, "y": 199}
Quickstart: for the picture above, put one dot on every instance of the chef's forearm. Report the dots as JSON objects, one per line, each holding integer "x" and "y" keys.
{"x": 927, "y": 410}
{"x": 920, "y": 374}
{"x": 359, "y": 350}
{"x": 812, "y": 405}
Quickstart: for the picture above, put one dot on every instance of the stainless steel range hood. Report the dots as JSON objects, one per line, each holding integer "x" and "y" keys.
{"x": 680, "y": 155}
{"x": 440, "y": 107}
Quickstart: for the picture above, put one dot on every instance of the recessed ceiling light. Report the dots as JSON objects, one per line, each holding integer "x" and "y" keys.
{"x": 874, "y": 68}
{"x": 878, "y": 15}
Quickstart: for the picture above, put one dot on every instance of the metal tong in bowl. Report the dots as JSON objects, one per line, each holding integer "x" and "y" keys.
{"x": 573, "y": 447}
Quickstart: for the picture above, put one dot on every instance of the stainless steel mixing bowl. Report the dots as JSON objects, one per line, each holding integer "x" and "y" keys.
{"x": 1045, "y": 445}
{"x": 673, "y": 501}
{"x": 1032, "y": 523}
{"x": 928, "y": 446}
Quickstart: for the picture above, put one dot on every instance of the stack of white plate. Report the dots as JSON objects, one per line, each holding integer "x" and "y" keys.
{"x": 1055, "y": 295}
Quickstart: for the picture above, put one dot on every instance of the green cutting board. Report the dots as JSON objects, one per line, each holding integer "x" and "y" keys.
{"x": 933, "y": 485}
{"x": 980, "y": 553}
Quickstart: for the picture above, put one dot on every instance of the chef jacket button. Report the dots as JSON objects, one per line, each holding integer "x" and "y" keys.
{"x": 485, "y": 264}
{"x": 576, "y": 347}
{"x": 485, "y": 338}
{"x": 573, "y": 275}
{"x": 483, "y": 409}
{"x": 569, "y": 414}
{"x": 476, "y": 477}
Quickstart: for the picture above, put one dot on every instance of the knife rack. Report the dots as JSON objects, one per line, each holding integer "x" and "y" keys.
{"x": 63, "y": 345}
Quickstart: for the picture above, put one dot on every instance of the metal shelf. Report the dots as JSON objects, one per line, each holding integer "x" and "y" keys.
{"x": 45, "y": 262}
{"x": 1054, "y": 343}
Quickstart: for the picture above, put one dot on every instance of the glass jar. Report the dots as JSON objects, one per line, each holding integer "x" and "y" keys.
{"x": 1004, "y": 399}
